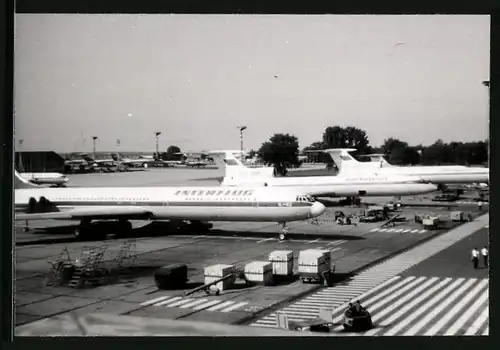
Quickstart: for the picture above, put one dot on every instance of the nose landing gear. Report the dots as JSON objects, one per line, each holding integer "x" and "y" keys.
{"x": 284, "y": 231}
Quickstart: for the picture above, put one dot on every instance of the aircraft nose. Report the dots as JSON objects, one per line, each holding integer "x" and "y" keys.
{"x": 317, "y": 209}
{"x": 430, "y": 187}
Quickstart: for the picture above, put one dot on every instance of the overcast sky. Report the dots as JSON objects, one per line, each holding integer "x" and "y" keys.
{"x": 197, "y": 77}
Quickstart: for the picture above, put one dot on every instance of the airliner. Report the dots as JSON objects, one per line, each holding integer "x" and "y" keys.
{"x": 52, "y": 179}
{"x": 347, "y": 164}
{"x": 236, "y": 174}
{"x": 235, "y": 169}
{"x": 381, "y": 162}
{"x": 193, "y": 204}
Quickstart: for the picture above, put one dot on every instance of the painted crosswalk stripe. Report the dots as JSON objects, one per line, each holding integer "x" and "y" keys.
{"x": 378, "y": 301}
{"x": 457, "y": 326}
{"x": 204, "y": 306}
{"x": 407, "y": 230}
{"x": 220, "y": 306}
{"x": 180, "y": 302}
{"x": 479, "y": 323}
{"x": 234, "y": 307}
{"x": 150, "y": 302}
{"x": 453, "y": 311}
{"x": 336, "y": 297}
{"x": 196, "y": 302}
{"x": 439, "y": 308}
{"x": 266, "y": 240}
{"x": 374, "y": 229}
{"x": 426, "y": 306}
{"x": 168, "y": 301}
{"x": 413, "y": 301}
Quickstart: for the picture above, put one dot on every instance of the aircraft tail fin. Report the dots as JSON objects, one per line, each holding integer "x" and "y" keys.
{"x": 22, "y": 183}
{"x": 235, "y": 172}
{"x": 345, "y": 162}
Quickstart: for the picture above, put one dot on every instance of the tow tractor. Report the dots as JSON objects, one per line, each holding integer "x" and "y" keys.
{"x": 357, "y": 322}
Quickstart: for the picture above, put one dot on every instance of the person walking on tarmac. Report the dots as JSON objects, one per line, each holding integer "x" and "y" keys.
{"x": 484, "y": 253}
{"x": 475, "y": 257}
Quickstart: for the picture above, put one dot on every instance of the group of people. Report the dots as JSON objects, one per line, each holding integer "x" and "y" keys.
{"x": 475, "y": 257}
{"x": 355, "y": 309}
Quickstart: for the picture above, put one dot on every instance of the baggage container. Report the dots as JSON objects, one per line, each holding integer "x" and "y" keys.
{"x": 171, "y": 276}
{"x": 430, "y": 222}
{"x": 215, "y": 272}
{"x": 315, "y": 265}
{"x": 260, "y": 272}
{"x": 282, "y": 262}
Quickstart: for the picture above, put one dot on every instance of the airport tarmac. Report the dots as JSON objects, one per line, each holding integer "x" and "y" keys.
{"x": 430, "y": 290}
{"x": 134, "y": 293}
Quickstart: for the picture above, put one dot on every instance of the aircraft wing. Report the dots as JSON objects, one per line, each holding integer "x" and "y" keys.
{"x": 137, "y": 213}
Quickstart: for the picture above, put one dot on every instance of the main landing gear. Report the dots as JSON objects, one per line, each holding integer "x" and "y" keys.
{"x": 99, "y": 230}
{"x": 284, "y": 231}
{"x": 192, "y": 227}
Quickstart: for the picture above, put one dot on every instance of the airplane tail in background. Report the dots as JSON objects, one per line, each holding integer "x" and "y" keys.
{"x": 235, "y": 172}
{"x": 20, "y": 182}
{"x": 346, "y": 163}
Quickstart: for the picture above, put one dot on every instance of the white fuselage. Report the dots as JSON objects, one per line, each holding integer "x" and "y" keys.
{"x": 434, "y": 174}
{"x": 344, "y": 186}
{"x": 194, "y": 203}
{"x": 45, "y": 178}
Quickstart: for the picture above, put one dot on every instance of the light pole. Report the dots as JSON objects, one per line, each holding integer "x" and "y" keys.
{"x": 487, "y": 84}
{"x": 94, "y": 138}
{"x": 21, "y": 166}
{"x": 157, "y": 134}
{"x": 241, "y": 136}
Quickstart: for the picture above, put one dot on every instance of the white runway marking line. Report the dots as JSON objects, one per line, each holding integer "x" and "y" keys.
{"x": 339, "y": 242}
{"x": 457, "y": 326}
{"x": 398, "y": 230}
{"x": 220, "y": 306}
{"x": 430, "y": 303}
{"x": 234, "y": 307}
{"x": 385, "y": 273}
{"x": 204, "y": 306}
{"x": 168, "y": 301}
{"x": 481, "y": 321}
{"x": 266, "y": 240}
{"x": 449, "y": 300}
{"x": 453, "y": 311}
{"x": 414, "y": 302}
{"x": 151, "y": 302}
{"x": 196, "y": 302}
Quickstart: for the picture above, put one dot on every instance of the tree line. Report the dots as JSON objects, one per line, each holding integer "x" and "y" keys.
{"x": 282, "y": 150}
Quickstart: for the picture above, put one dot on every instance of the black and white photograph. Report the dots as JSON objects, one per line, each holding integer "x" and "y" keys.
{"x": 251, "y": 175}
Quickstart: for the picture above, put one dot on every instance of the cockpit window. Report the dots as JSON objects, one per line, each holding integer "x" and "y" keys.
{"x": 305, "y": 198}
{"x": 310, "y": 199}
{"x": 230, "y": 162}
